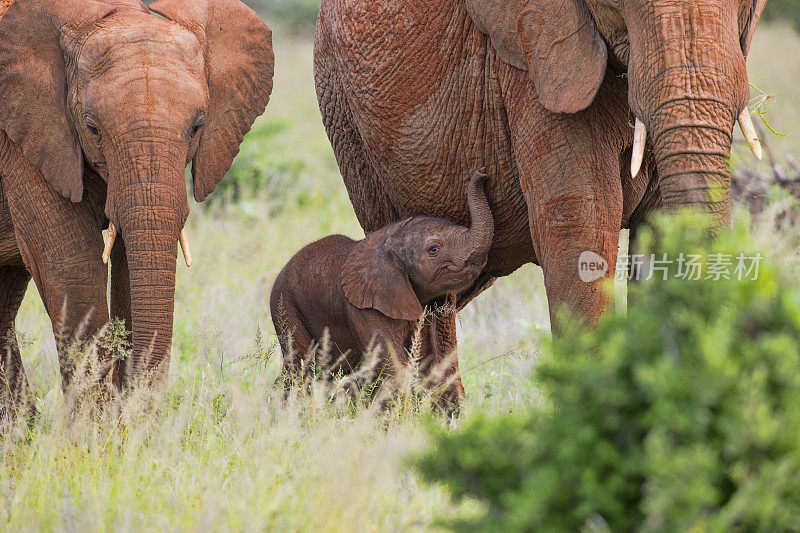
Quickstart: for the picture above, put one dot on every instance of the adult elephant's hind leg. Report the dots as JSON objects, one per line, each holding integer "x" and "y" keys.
{"x": 14, "y": 389}
{"x": 371, "y": 204}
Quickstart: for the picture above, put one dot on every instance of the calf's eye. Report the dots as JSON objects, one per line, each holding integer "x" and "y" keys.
{"x": 433, "y": 250}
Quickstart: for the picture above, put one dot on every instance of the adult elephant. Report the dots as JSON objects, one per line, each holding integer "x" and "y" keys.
{"x": 544, "y": 94}
{"x": 102, "y": 106}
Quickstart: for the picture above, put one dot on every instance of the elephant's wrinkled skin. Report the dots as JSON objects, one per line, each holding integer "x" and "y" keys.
{"x": 544, "y": 94}
{"x": 369, "y": 294}
{"x": 102, "y": 105}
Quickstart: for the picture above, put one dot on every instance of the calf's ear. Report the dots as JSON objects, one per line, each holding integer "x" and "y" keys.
{"x": 373, "y": 278}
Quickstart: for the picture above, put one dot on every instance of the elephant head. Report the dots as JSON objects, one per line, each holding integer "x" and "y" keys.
{"x": 410, "y": 263}
{"x": 110, "y": 88}
{"x": 685, "y": 62}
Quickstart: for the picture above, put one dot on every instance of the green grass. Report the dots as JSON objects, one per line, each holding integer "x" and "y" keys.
{"x": 221, "y": 452}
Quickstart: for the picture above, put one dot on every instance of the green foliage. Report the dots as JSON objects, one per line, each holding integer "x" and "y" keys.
{"x": 297, "y": 15}
{"x": 788, "y": 10}
{"x": 261, "y": 167}
{"x": 687, "y": 419}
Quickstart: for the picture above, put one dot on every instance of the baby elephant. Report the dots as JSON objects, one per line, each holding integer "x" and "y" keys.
{"x": 370, "y": 294}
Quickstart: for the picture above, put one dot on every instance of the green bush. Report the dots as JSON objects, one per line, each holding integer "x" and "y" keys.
{"x": 297, "y": 15}
{"x": 788, "y": 10}
{"x": 688, "y": 418}
{"x": 261, "y": 167}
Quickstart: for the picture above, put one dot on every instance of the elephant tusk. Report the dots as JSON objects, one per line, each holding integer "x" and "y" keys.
{"x": 749, "y": 132}
{"x": 110, "y": 237}
{"x": 187, "y": 252}
{"x": 639, "y": 140}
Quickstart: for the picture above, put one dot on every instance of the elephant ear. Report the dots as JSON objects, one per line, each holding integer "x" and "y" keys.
{"x": 748, "y": 23}
{"x": 556, "y": 41}
{"x": 239, "y": 66}
{"x": 372, "y": 278}
{"x": 35, "y": 36}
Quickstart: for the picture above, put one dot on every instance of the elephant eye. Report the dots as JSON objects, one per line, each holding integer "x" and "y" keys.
{"x": 92, "y": 127}
{"x": 433, "y": 250}
{"x": 197, "y": 126}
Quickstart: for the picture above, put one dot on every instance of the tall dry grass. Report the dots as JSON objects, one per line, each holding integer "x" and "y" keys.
{"x": 222, "y": 451}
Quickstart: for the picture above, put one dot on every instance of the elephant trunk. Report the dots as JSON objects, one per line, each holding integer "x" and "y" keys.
{"x": 692, "y": 156}
{"x": 481, "y": 233}
{"x": 149, "y": 210}
{"x": 688, "y": 85}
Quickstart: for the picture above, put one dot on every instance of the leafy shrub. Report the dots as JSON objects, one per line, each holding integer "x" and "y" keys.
{"x": 687, "y": 419}
{"x": 297, "y": 15}
{"x": 788, "y": 10}
{"x": 260, "y": 168}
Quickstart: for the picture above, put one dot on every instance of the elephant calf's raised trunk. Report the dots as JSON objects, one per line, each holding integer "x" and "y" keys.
{"x": 481, "y": 233}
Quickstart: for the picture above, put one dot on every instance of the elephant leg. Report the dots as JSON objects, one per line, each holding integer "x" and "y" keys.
{"x": 385, "y": 362}
{"x": 15, "y": 391}
{"x": 448, "y": 389}
{"x": 574, "y": 196}
{"x": 576, "y": 233}
{"x": 61, "y": 245}
{"x": 121, "y": 305}
{"x": 295, "y": 340}
{"x": 575, "y": 251}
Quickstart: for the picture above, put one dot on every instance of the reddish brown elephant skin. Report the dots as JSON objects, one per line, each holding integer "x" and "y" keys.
{"x": 374, "y": 290}
{"x": 102, "y": 105}
{"x": 543, "y": 94}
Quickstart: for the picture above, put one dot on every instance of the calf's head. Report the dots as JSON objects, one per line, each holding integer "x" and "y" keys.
{"x": 398, "y": 269}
